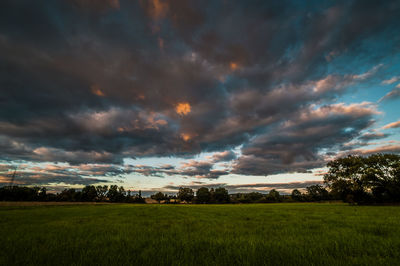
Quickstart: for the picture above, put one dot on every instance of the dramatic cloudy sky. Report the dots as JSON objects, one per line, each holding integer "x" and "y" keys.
{"x": 157, "y": 94}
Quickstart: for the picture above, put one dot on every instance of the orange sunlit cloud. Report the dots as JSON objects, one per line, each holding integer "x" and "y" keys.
{"x": 188, "y": 136}
{"x": 159, "y": 9}
{"x": 233, "y": 66}
{"x": 185, "y": 136}
{"x": 156, "y": 9}
{"x": 4, "y": 179}
{"x": 97, "y": 91}
{"x": 183, "y": 108}
{"x": 141, "y": 96}
{"x": 392, "y": 125}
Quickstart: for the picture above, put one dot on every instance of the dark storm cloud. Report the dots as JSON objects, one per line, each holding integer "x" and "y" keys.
{"x": 84, "y": 81}
{"x": 296, "y": 144}
{"x": 192, "y": 168}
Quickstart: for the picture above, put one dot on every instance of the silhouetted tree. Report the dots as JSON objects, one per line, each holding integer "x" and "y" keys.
{"x": 16, "y": 193}
{"x": 317, "y": 193}
{"x": 255, "y": 196}
{"x": 159, "y": 196}
{"x": 102, "y": 192}
{"x": 42, "y": 196}
{"x": 116, "y": 194}
{"x": 353, "y": 178}
{"x": 296, "y": 195}
{"x": 69, "y": 195}
{"x": 383, "y": 177}
{"x": 185, "y": 194}
{"x": 89, "y": 193}
{"x": 203, "y": 195}
{"x": 273, "y": 196}
{"x": 221, "y": 195}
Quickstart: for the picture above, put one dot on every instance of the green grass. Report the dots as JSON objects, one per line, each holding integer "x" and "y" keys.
{"x": 254, "y": 234}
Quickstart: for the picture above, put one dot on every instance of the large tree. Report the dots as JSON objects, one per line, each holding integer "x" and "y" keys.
{"x": 185, "y": 194}
{"x": 317, "y": 193}
{"x": 89, "y": 193}
{"x": 159, "y": 196}
{"x": 297, "y": 195}
{"x": 273, "y": 196}
{"x": 365, "y": 179}
{"x": 203, "y": 195}
{"x": 221, "y": 195}
{"x": 102, "y": 192}
{"x": 116, "y": 194}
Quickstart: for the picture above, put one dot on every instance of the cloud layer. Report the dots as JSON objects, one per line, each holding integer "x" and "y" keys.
{"x": 89, "y": 82}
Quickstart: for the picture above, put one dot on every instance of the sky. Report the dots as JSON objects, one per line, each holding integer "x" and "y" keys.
{"x": 157, "y": 94}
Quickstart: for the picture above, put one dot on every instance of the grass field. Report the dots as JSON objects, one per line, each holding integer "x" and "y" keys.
{"x": 254, "y": 234}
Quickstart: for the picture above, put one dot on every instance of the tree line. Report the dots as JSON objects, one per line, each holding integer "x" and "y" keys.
{"x": 203, "y": 195}
{"x": 89, "y": 193}
{"x": 372, "y": 179}
{"x": 221, "y": 195}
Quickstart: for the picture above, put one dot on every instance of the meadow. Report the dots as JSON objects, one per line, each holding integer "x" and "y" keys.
{"x": 252, "y": 234}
